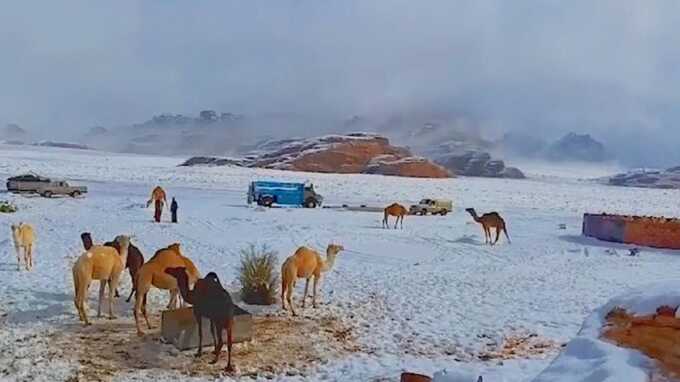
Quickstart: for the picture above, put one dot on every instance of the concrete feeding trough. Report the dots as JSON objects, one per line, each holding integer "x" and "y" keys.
{"x": 179, "y": 328}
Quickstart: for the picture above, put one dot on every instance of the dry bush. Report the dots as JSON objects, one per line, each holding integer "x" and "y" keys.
{"x": 258, "y": 276}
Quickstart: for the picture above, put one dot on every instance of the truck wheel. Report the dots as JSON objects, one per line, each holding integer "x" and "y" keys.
{"x": 75, "y": 194}
{"x": 444, "y": 212}
{"x": 310, "y": 203}
{"x": 423, "y": 212}
{"x": 47, "y": 194}
{"x": 266, "y": 201}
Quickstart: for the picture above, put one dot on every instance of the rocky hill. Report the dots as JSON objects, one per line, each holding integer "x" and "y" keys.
{"x": 577, "y": 147}
{"x": 464, "y": 159}
{"x": 666, "y": 179}
{"x": 357, "y": 153}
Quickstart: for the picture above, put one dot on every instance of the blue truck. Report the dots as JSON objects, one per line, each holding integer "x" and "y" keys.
{"x": 282, "y": 193}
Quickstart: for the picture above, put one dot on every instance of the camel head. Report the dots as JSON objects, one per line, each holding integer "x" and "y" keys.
{"x": 335, "y": 248}
{"x": 15, "y": 227}
{"x": 471, "y": 211}
{"x": 123, "y": 241}
{"x": 177, "y": 272}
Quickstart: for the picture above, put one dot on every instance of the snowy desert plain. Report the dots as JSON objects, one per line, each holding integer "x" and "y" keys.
{"x": 425, "y": 298}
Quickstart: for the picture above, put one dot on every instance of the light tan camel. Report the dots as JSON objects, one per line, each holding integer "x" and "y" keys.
{"x": 153, "y": 273}
{"x": 101, "y": 263}
{"x": 305, "y": 263}
{"x": 23, "y": 236}
{"x": 488, "y": 221}
{"x": 394, "y": 209}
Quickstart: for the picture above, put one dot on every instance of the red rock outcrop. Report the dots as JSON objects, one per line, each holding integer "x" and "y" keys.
{"x": 350, "y": 154}
{"x": 357, "y": 153}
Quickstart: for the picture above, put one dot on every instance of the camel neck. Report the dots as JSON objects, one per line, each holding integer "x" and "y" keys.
{"x": 183, "y": 284}
{"x": 330, "y": 261}
{"x": 123, "y": 252}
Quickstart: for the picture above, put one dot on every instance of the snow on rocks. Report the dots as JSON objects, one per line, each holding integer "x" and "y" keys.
{"x": 590, "y": 358}
{"x": 347, "y": 154}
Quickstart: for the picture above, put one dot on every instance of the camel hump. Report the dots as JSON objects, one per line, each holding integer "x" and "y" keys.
{"x": 175, "y": 247}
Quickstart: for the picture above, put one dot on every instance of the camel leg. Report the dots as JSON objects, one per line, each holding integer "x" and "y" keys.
{"x": 113, "y": 286}
{"x": 18, "y": 251}
{"x": 402, "y": 221}
{"x": 172, "y": 304}
{"x": 213, "y": 332}
{"x": 146, "y": 316}
{"x": 289, "y": 298}
{"x": 304, "y": 297}
{"x": 130, "y": 296}
{"x": 199, "y": 321}
{"x": 81, "y": 301}
{"x": 498, "y": 235}
{"x": 29, "y": 255}
{"x": 140, "y": 306}
{"x": 219, "y": 327}
{"x": 230, "y": 327}
{"x": 26, "y": 261}
{"x": 102, "y": 287}
{"x": 316, "y": 282}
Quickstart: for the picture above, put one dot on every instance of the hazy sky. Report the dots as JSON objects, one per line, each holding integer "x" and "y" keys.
{"x": 608, "y": 67}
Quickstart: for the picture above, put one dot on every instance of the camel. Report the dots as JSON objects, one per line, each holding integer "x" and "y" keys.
{"x": 159, "y": 200}
{"x": 212, "y": 301}
{"x": 23, "y": 236}
{"x": 394, "y": 209}
{"x": 305, "y": 263}
{"x": 99, "y": 263}
{"x": 153, "y": 273}
{"x": 134, "y": 261}
{"x": 488, "y": 221}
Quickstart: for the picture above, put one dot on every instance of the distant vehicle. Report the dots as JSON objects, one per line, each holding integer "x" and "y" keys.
{"x": 292, "y": 194}
{"x": 432, "y": 206}
{"x": 36, "y": 184}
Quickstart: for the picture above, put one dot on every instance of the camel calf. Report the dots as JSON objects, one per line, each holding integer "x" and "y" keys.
{"x": 23, "y": 236}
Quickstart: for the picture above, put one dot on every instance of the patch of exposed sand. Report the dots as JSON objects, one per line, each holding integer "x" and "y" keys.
{"x": 516, "y": 346}
{"x": 281, "y": 345}
{"x": 657, "y": 336}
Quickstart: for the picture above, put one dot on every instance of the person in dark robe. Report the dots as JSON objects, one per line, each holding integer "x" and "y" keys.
{"x": 173, "y": 210}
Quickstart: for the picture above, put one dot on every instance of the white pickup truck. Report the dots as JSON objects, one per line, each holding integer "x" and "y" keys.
{"x": 36, "y": 184}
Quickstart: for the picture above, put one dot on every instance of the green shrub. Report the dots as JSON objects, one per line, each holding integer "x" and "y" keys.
{"x": 258, "y": 276}
{"x": 7, "y": 207}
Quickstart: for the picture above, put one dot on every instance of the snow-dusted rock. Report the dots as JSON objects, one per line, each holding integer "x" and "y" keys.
{"x": 347, "y": 154}
{"x": 589, "y": 358}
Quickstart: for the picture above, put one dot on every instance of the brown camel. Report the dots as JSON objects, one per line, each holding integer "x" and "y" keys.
{"x": 212, "y": 301}
{"x": 153, "y": 273}
{"x": 394, "y": 209}
{"x": 488, "y": 221}
{"x": 305, "y": 263}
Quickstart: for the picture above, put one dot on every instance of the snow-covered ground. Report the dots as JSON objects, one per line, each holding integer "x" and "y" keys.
{"x": 425, "y": 298}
